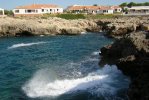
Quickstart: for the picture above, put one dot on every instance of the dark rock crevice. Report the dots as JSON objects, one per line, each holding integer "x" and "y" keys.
{"x": 24, "y": 33}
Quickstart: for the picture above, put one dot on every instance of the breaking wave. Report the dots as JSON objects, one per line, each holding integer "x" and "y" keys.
{"x": 25, "y": 44}
{"x": 45, "y": 84}
{"x": 96, "y": 53}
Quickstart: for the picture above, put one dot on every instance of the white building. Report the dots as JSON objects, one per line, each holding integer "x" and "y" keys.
{"x": 101, "y": 10}
{"x": 2, "y": 11}
{"x": 37, "y": 9}
{"x": 116, "y": 9}
{"x": 90, "y": 9}
{"x": 138, "y": 10}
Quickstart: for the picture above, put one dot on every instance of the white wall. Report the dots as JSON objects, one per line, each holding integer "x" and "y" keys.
{"x": 118, "y": 10}
{"x": 95, "y": 12}
{"x": 51, "y": 10}
{"x": 39, "y": 11}
{"x": 109, "y": 12}
{"x": 100, "y": 12}
{"x": 3, "y": 12}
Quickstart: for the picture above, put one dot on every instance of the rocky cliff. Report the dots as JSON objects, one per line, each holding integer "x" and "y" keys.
{"x": 51, "y": 26}
{"x": 119, "y": 27}
{"x": 115, "y": 27}
{"x": 131, "y": 55}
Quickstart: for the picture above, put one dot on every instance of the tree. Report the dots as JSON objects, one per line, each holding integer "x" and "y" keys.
{"x": 131, "y": 4}
{"x": 123, "y": 4}
{"x": 95, "y": 5}
{"x": 146, "y": 4}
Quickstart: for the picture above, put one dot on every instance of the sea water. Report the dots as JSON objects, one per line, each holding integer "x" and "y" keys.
{"x": 58, "y": 68}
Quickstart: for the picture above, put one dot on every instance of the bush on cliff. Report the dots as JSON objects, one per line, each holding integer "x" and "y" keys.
{"x": 100, "y": 16}
{"x": 71, "y": 16}
{"x": 64, "y": 16}
{"x": 9, "y": 12}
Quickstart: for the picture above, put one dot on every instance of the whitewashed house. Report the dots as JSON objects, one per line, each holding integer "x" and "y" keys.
{"x": 101, "y": 10}
{"x": 2, "y": 12}
{"x": 116, "y": 9}
{"x": 90, "y": 9}
{"x": 138, "y": 10}
{"x": 37, "y": 9}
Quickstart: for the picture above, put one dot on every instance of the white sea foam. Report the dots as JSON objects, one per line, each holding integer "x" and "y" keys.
{"x": 97, "y": 82}
{"x": 83, "y": 32}
{"x": 41, "y": 35}
{"x": 25, "y": 44}
{"x": 96, "y": 53}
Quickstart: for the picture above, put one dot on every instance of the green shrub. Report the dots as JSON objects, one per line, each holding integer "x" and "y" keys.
{"x": 79, "y": 16}
{"x": 9, "y": 12}
{"x": 100, "y": 16}
{"x": 45, "y": 16}
{"x": 71, "y": 16}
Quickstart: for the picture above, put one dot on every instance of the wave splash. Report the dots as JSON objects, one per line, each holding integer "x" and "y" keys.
{"x": 25, "y": 44}
{"x": 95, "y": 83}
{"x": 96, "y": 53}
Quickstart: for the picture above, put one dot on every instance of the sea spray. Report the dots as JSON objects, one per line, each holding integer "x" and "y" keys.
{"x": 96, "y": 53}
{"x": 98, "y": 82}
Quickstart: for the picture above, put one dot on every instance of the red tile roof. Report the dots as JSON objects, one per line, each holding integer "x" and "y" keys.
{"x": 37, "y": 6}
{"x": 115, "y": 7}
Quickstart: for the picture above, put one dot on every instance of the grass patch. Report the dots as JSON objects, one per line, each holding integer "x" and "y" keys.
{"x": 100, "y": 16}
{"x": 80, "y": 16}
{"x": 65, "y": 16}
{"x": 71, "y": 16}
{"x": 46, "y": 16}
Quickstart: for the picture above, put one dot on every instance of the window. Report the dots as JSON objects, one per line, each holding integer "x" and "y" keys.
{"x": 30, "y": 11}
{"x": 57, "y": 9}
{"x": 50, "y": 9}
{"x": 42, "y": 10}
{"x": 16, "y": 11}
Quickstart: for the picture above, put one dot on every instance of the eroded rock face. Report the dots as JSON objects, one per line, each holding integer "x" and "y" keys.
{"x": 131, "y": 55}
{"x": 51, "y": 26}
{"x": 119, "y": 27}
{"x": 115, "y": 27}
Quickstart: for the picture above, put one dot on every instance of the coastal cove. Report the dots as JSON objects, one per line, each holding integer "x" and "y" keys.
{"x": 58, "y": 68}
{"x": 85, "y": 59}
{"x": 74, "y": 50}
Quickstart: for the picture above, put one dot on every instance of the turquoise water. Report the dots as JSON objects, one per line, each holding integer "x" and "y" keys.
{"x": 58, "y": 68}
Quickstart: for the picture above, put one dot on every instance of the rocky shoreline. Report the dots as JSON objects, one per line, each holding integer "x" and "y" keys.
{"x": 130, "y": 52}
{"x": 115, "y": 27}
{"x": 51, "y": 26}
{"x": 131, "y": 55}
{"x": 119, "y": 27}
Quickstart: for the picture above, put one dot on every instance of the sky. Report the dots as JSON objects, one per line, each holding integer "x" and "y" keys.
{"x": 10, "y": 4}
